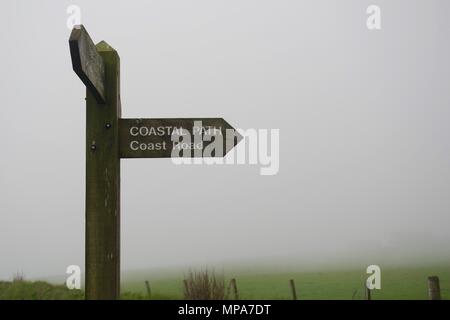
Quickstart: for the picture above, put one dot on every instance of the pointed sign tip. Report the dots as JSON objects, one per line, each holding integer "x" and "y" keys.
{"x": 239, "y": 137}
{"x": 87, "y": 63}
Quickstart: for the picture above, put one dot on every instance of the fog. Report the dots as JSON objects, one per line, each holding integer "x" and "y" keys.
{"x": 364, "y": 173}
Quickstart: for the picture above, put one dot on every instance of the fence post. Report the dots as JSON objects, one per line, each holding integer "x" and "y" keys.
{"x": 294, "y": 293}
{"x": 434, "y": 289}
{"x": 186, "y": 288}
{"x": 149, "y": 291}
{"x": 368, "y": 292}
{"x": 235, "y": 290}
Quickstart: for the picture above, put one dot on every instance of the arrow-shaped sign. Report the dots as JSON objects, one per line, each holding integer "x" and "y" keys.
{"x": 87, "y": 62}
{"x": 165, "y": 138}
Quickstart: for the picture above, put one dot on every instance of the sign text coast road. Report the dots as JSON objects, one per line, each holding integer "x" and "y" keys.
{"x": 165, "y": 138}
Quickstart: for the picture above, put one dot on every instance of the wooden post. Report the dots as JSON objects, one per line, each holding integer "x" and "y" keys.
{"x": 98, "y": 67}
{"x": 149, "y": 291}
{"x": 367, "y": 292}
{"x": 434, "y": 289}
{"x": 294, "y": 293}
{"x": 103, "y": 184}
{"x": 186, "y": 289}
{"x": 235, "y": 290}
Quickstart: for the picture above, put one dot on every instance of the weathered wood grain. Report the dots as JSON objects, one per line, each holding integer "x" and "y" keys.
{"x": 103, "y": 184}
{"x": 87, "y": 62}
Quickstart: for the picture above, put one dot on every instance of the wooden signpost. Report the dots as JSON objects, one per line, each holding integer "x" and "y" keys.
{"x": 110, "y": 138}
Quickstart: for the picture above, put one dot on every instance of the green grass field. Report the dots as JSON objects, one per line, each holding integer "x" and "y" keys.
{"x": 396, "y": 283}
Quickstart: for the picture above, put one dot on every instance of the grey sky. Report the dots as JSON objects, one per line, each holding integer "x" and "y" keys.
{"x": 363, "y": 118}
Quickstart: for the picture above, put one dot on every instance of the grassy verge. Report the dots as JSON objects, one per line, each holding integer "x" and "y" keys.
{"x": 37, "y": 290}
{"x": 396, "y": 283}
